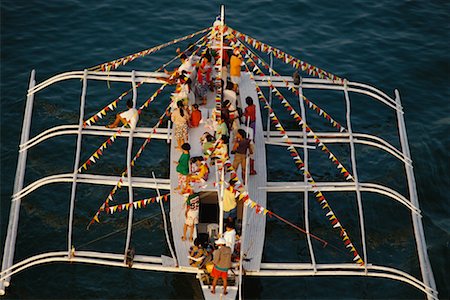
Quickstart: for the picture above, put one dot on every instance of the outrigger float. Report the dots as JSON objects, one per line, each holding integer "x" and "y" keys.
{"x": 256, "y": 76}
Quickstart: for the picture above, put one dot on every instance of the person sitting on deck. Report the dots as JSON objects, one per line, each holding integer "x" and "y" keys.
{"x": 207, "y": 141}
{"x": 197, "y": 254}
{"x": 129, "y": 118}
{"x": 191, "y": 214}
{"x": 201, "y": 176}
{"x": 241, "y": 145}
{"x": 222, "y": 262}
{"x": 183, "y": 166}
{"x": 196, "y": 116}
{"x": 229, "y": 203}
{"x": 221, "y": 128}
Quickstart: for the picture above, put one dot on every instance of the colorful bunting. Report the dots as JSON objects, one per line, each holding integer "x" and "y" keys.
{"x": 299, "y": 164}
{"x": 112, "y": 65}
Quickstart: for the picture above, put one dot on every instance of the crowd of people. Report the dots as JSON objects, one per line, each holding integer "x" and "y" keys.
{"x": 194, "y": 79}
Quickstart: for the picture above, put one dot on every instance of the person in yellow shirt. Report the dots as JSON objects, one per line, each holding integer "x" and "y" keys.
{"x": 235, "y": 67}
{"x": 229, "y": 203}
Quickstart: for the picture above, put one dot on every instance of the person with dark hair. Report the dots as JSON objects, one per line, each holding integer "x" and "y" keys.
{"x": 203, "y": 79}
{"x": 183, "y": 166}
{"x": 241, "y": 145}
{"x": 222, "y": 262}
{"x": 180, "y": 119}
{"x": 250, "y": 115}
{"x": 230, "y": 235}
{"x": 129, "y": 118}
{"x": 191, "y": 213}
{"x": 196, "y": 116}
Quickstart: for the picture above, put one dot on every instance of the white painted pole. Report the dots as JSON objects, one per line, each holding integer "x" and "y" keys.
{"x": 425, "y": 266}
{"x": 76, "y": 163}
{"x": 163, "y": 214}
{"x": 355, "y": 176}
{"x": 270, "y": 97}
{"x": 10, "y": 242}
{"x": 129, "y": 176}
{"x": 305, "y": 179}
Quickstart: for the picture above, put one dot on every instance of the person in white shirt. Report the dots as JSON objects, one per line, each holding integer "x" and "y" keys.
{"x": 230, "y": 236}
{"x": 128, "y": 118}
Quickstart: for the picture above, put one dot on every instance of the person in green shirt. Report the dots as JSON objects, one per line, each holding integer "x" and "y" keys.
{"x": 183, "y": 166}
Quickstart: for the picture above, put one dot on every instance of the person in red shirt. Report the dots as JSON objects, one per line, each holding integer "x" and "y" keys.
{"x": 250, "y": 114}
{"x": 250, "y": 118}
{"x": 196, "y": 116}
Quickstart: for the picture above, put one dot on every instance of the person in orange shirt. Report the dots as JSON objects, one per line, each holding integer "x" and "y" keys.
{"x": 235, "y": 67}
{"x": 196, "y": 116}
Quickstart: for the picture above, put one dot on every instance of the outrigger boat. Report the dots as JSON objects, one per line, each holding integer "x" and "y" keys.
{"x": 257, "y": 76}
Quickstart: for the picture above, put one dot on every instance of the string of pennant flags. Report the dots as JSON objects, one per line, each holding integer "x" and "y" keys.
{"x": 99, "y": 152}
{"x": 241, "y": 194}
{"x": 112, "y": 65}
{"x": 252, "y": 57}
{"x": 300, "y": 121}
{"x": 287, "y": 58}
{"x": 218, "y": 84}
{"x": 136, "y": 204}
{"x": 320, "y": 198}
{"x": 113, "y": 105}
{"x": 119, "y": 183}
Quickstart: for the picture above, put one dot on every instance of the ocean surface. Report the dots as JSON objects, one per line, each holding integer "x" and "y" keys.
{"x": 400, "y": 45}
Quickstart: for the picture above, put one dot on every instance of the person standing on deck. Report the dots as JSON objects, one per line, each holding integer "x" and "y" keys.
{"x": 241, "y": 145}
{"x": 180, "y": 118}
{"x": 235, "y": 67}
{"x": 191, "y": 214}
{"x": 203, "y": 79}
{"x": 196, "y": 116}
{"x": 222, "y": 262}
{"x": 183, "y": 166}
{"x": 229, "y": 203}
{"x": 129, "y": 118}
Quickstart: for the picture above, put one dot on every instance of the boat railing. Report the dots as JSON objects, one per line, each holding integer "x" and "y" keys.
{"x": 153, "y": 263}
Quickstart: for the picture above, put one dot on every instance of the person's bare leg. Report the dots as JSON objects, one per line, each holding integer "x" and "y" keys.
{"x": 184, "y": 232}
{"x": 115, "y": 123}
{"x": 191, "y": 237}
{"x": 213, "y": 289}
{"x": 225, "y": 284}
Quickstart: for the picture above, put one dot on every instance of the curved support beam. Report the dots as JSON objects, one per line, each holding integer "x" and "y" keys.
{"x": 323, "y": 84}
{"x": 267, "y": 269}
{"x": 343, "y": 187}
{"x": 138, "y": 182}
{"x": 147, "y": 77}
{"x": 140, "y": 132}
{"x": 360, "y": 138}
{"x": 373, "y": 271}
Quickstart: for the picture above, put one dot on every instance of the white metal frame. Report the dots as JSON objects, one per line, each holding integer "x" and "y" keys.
{"x": 427, "y": 285}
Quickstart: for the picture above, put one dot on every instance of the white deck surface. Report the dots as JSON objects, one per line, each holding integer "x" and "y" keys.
{"x": 255, "y": 224}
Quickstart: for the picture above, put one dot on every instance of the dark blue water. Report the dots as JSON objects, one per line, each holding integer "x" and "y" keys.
{"x": 388, "y": 44}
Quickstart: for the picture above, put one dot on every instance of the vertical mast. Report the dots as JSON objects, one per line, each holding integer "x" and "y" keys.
{"x": 218, "y": 110}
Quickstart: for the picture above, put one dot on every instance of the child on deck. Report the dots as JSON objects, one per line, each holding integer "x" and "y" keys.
{"x": 196, "y": 116}
{"x": 183, "y": 166}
